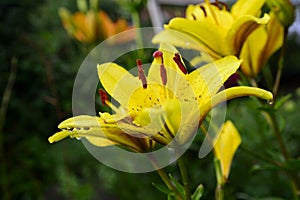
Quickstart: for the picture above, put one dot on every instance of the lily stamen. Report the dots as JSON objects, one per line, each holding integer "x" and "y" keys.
{"x": 105, "y": 101}
{"x": 204, "y": 11}
{"x": 141, "y": 73}
{"x": 221, "y": 5}
{"x": 103, "y": 97}
{"x": 163, "y": 72}
{"x": 179, "y": 63}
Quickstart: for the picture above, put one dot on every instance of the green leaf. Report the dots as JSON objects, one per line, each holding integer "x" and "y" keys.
{"x": 198, "y": 192}
{"x": 281, "y": 101}
{"x": 163, "y": 189}
{"x": 292, "y": 165}
{"x": 179, "y": 187}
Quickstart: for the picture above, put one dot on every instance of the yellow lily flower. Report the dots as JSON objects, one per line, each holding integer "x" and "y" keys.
{"x": 218, "y": 32}
{"x": 167, "y": 104}
{"x": 256, "y": 54}
{"x": 92, "y": 26}
{"x": 225, "y": 146}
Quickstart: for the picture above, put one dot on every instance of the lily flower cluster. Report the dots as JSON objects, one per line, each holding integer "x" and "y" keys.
{"x": 168, "y": 103}
{"x": 219, "y": 32}
{"x": 92, "y": 26}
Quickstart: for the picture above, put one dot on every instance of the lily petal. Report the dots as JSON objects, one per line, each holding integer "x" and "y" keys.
{"x": 226, "y": 145}
{"x": 94, "y": 127}
{"x": 246, "y": 7}
{"x": 207, "y": 80}
{"x": 208, "y": 34}
{"x": 118, "y": 82}
{"x": 242, "y": 28}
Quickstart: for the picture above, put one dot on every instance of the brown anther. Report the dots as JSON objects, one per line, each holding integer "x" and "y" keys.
{"x": 221, "y": 5}
{"x": 179, "y": 63}
{"x": 141, "y": 73}
{"x": 204, "y": 11}
{"x": 163, "y": 74}
{"x": 103, "y": 96}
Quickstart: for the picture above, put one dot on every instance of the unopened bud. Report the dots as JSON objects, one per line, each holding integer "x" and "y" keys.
{"x": 284, "y": 11}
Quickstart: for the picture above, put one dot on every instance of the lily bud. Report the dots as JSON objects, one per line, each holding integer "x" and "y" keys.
{"x": 284, "y": 11}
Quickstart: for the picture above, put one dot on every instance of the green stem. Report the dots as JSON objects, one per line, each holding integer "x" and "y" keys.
{"x": 274, "y": 124}
{"x": 166, "y": 179}
{"x": 137, "y": 24}
{"x": 185, "y": 178}
{"x": 280, "y": 65}
{"x": 260, "y": 157}
{"x": 3, "y": 109}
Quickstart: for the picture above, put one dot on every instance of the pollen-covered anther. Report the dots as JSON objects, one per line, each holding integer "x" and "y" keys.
{"x": 221, "y": 5}
{"x": 103, "y": 97}
{"x": 141, "y": 73}
{"x": 179, "y": 63}
{"x": 163, "y": 72}
{"x": 204, "y": 11}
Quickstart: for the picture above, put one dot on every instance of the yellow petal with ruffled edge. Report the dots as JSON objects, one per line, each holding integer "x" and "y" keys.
{"x": 225, "y": 146}
{"x": 247, "y": 7}
{"x": 256, "y": 54}
{"x": 118, "y": 82}
{"x": 252, "y": 51}
{"x": 275, "y": 37}
{"x": 242, "y": 28}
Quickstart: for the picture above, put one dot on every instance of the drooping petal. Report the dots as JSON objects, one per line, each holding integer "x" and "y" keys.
{"x": 225, "y": 146}
{"x": 94, "y": 127}
{"x": 242, "y": 28}
{"x": 246, "y": 7}
{"x": 118, "y": 82}
{"x": 241, "y": 91}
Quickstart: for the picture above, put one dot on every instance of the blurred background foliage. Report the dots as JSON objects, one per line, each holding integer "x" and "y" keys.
{"x": 39, "y": 62}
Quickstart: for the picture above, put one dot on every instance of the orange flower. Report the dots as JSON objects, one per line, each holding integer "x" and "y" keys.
{"x": 91, "y": 26}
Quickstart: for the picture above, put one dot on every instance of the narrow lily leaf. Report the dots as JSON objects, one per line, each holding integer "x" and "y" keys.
{"x": 179, "y": 187}
{"x": 163, "y": 189}
{"x": 198, "y": 192}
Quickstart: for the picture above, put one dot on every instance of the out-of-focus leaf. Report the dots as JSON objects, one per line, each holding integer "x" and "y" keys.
{"x": 179, "y": 187}
{"x": 198, "y": 192}
{"x": 163, "y": 189}
{"x": 281, "y": 101}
